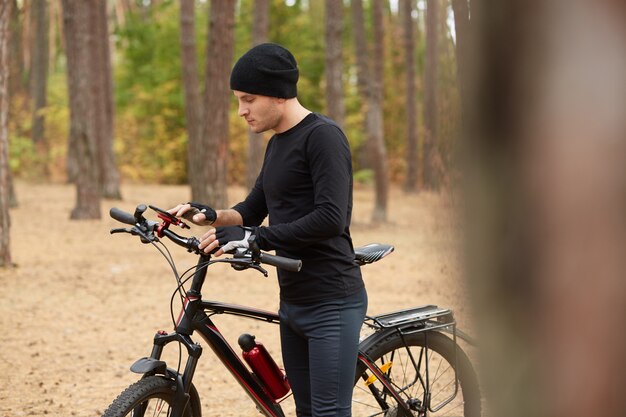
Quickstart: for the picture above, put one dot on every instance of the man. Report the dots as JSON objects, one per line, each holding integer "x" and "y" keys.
{"x": 305, "y": 186}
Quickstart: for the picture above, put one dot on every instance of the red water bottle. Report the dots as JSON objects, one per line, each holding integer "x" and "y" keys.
{"x": 264, "y": 367}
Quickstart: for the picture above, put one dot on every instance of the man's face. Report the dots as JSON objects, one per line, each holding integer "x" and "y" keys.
{"x": 260, "y": 112}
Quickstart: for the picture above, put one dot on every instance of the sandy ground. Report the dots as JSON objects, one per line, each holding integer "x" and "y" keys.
{"x": 83, "y": 305}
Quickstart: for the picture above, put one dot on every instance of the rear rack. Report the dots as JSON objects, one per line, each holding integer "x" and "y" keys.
{"x": 419, "y": 319}
{"x": 412, "y": 315}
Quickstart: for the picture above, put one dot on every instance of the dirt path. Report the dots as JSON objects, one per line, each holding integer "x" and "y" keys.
{"x": 83, "y": 305}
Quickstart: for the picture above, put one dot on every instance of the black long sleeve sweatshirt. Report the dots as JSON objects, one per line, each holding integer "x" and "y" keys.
{"x": 305, "y": 186}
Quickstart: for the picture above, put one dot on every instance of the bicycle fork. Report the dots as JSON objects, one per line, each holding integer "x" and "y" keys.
{"x": 154, "y": 365}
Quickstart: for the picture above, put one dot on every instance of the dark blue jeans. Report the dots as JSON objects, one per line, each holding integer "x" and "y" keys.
{"x": 320, "y": 345}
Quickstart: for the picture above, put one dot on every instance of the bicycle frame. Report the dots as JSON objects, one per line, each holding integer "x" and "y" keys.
{"x": 195, "y": 316}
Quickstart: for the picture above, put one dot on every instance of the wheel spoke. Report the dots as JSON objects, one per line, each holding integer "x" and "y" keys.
{"x": 407, "y": 375}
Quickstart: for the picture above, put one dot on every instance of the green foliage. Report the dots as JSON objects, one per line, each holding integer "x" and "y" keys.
{"x": 364, "y": 177}
{"x": 300, "y": 29}
{"x": 46, "y": 161}
{"x": 150, "y": 126}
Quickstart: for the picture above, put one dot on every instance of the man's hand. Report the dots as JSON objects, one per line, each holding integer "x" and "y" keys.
{"x": 194, "y": 212}
{"x": 226, "y": 238}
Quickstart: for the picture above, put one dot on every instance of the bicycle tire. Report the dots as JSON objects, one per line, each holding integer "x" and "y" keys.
{"x": 441, "y": 365}
{"x": 148, "y": 397}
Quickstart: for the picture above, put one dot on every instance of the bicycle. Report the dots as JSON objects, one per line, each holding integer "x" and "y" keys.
{"x": 410, "y": 364}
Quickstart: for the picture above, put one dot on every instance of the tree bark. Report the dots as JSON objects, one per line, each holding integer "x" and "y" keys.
{"x": 5, "y": 221}
{"x": 70, "y": 27}
{"x": 16, "y": 54}
{"x": 220, "y": 48}
{"x": 411, "y": 183}
{"x": 103, "y": 102}
{"x": 39, "y": 76}
{"x": 362, "y": 71}
{"x": 360, "y": 46}
{"x": 260, "y": 28}
{"x": 547, "y": 231}
{"x": 431, "y": 159}
{"x": 194, "y": 107}
{"x": 334, "y": 61}
{"x": 79, "y": 40}
{"x": 374, "y": 123}
{"x": 461, "y": 12}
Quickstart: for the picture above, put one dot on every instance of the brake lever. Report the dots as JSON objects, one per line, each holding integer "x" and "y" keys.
{"x": 248, "y": 265}
{"x": 120, "y": 230}
{"x": 260, "y": 269}
{"x": 246, "y": 260}
{"x": 144, "y": 237}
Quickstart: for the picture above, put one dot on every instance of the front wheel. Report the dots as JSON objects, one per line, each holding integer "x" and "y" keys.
{"x": 151, "y": 396}
{"x": 422, "y": 360}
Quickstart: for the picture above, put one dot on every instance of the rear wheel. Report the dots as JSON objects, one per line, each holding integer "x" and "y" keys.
{"x": 429, "y": 359}
{"x": 151, "y": 396}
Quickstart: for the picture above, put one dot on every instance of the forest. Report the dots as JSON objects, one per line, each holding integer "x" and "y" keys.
{"x": 497, "y": 126}
{"x": 157, "y": 74}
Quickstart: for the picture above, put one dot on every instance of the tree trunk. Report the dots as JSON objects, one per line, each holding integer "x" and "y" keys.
{"x": 547, "y": 231}
{"x": 16, "y": 54}
{"x": 334, "y": 61}
{"x": 256, "y": 147}
{"x": 462, "y": 29}
{"x": 39, "y": 76}
{"x": 17, "y": 91}
{"x": 375, "y": 130}
{"x": 193, "y": 105}
{"x": 79, "y": 40}
{"x": 103, "y": 102}
{"x": 360, "y": 46}
{"x": 71, "y": 44}
{"x": 362, "y": 71}
{"x": 411, "y": 183}
{"x": 220, "y": 48}
{"x": 431, "y": 159}
{"x": 5, "y": 221}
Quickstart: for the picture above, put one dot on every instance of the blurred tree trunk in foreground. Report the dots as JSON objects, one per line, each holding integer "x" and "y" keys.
{"x": 79, "y": 40}
{"x": 5, "y": 221}
{"x": 547, "y": 219}
{"x": 256, "y": 148}
{"x": 334, "y": 61}
{"x": 406, "y": 14}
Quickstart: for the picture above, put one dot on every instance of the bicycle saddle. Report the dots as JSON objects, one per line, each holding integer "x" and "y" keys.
{"x": 371, "y": 253}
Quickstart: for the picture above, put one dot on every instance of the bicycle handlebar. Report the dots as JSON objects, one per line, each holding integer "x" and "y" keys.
{"x": 122, "y": 216}
{"x": 142, "y": 227}
{"x": 287, "y": 264}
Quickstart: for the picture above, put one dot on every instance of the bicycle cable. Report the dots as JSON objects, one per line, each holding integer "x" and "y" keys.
{"x": 179, "y": 289}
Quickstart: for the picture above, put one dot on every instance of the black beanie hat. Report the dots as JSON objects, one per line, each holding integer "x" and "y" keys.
{"x": 268, "y": 70}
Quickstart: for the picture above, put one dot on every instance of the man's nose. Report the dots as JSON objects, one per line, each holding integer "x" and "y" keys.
{"x": 243, "y": 110}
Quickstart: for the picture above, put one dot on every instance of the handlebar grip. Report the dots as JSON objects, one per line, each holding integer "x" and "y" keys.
{"x": 122, "y": 216}
{"x": 288, "y": 264}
